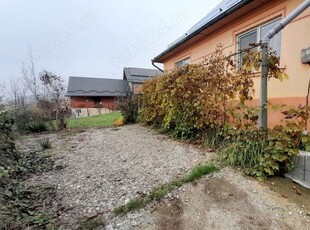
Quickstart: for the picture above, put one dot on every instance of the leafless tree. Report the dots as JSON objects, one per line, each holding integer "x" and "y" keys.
{"x": 47, "y": 88}
{"x": 19, "y": 93}
{"x": 30, "y": 78}
{"x": 53, "y": 89}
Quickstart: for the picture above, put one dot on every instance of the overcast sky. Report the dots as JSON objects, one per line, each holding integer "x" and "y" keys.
{"x": 91, "y": 38}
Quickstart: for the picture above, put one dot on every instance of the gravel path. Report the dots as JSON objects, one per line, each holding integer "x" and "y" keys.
{"x": 105, "y": 168}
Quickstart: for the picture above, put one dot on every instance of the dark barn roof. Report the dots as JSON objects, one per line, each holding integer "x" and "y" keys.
{"x": 86, "y": 86}
{"x": 139, "y": 75}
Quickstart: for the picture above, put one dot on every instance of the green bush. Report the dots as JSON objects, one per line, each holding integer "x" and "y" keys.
{"x": 22, "y": 117}
{"x": 37, "y": 126}
{"x": 21, "y": 206}
{"x": 8, "y": 155}
{"x": 214, "y": 137}
{"x": 129, "y": 108}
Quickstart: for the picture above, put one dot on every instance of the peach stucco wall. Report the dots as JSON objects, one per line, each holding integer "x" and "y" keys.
{"x": 295, "y": 37}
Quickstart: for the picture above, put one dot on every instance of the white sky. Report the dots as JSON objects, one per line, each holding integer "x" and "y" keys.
{"x": 91, "y": 38}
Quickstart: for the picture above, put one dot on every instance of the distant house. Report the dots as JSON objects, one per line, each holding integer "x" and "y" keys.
{"x": 238, "y": 23}
{"x": 136, "y": 76}
{"x": 93, "y": 96}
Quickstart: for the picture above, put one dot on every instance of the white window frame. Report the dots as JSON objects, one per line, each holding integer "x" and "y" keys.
{"x": 258, "y": 37}
{"x": 182, "y": 62}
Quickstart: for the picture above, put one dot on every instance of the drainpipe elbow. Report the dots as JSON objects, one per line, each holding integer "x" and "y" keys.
{"x": 153, "y": 64}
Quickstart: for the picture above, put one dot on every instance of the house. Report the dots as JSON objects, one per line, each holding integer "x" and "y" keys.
{"x": 136, "y": 76}
{"x": 94, "y": 96}
{"x": 235, "y": 24}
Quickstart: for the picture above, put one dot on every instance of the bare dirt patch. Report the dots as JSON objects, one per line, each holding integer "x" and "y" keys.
{"x": 229, "y": 200}
{"x": 169, "y": 216}
{"x": 290, "y": 190}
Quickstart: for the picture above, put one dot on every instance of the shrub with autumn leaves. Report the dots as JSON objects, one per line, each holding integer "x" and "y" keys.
{"x": 209, "y": 101}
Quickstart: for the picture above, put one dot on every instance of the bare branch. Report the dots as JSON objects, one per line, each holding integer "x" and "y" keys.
{"x": 29, "y": 77}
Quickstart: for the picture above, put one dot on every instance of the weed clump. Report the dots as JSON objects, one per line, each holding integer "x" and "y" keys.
{"x": 37, "y": 127}
{"x": 45, "y": 144}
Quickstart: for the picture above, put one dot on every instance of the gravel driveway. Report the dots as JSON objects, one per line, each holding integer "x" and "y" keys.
{"x": 105, "y": 168}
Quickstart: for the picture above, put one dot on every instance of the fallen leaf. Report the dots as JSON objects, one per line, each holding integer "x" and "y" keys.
{"x": 285, "y": 196}
{"x": 298, "y": 192}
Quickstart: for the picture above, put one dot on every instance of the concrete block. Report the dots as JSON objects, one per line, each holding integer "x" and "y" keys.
{"x": 297, "y": 174}
{"x": 307, "y": 176}
{"x": 307, "y": 165}
{"x": 300, "y": 162}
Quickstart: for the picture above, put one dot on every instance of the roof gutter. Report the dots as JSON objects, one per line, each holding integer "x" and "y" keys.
{"x": 220, "y": 17}
{"x": 263, "y": 121}
{"x": 153, "y": 64}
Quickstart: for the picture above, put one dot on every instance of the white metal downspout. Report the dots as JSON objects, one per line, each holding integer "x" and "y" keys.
{"x": 264, "y": 66}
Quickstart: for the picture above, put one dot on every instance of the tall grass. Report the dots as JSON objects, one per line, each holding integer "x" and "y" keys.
{"x": 246, "y": 149}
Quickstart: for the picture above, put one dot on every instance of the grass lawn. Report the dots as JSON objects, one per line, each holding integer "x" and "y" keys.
{"x": 94, "y": 121}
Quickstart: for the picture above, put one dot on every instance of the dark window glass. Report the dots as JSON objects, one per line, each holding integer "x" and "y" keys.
{"x": 247, "y": 38}
{"x": 244, "y": 42}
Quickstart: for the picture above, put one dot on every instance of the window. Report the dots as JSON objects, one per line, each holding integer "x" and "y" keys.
{"x": 182, "y": 62}
{"x": 78, "y": 112}
{"x": 257, "y": 34}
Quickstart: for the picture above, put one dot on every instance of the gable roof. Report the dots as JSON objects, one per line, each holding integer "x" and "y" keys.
{"x": 139, "y": 75}
{"x": 87, "y": 86}
{"x": 222, "y": 10}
